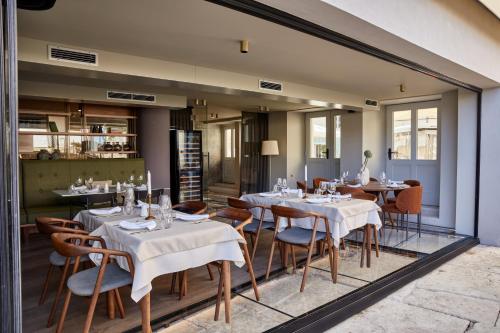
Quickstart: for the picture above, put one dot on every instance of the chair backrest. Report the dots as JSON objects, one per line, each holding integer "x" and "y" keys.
{"x": 288, "y": 212}
{"x": 50, "y": 225}
{"x": 410, "y": 200}
{"x": 412, "y": 182}
{"x": 349, "y": 190}
{"x": 373, "y": 179}
{"x": 365, "y": 196}
{"x": 99, "y": 199}
{"x": 241, "y": 204}
{"x": 155, "y": 195}
{"x": 317, "y": 181}
{"x": 302, "y": 185}
{"x": 191, "y": 207}
{"x": 239, "y": 217}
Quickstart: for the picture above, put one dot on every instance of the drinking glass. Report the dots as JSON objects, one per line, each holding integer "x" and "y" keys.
{"x": 331, "y": 188}
{"x": 140, "y": 179}
{"x": 284, "y": 183}
{"x": 382, "y": 178}
{"x": 131, "y": 179}
{"x": 79, "y": 181}
{"x": 280, "y": 182}
{"x": 322, "y": 186}
{"x": 165, "y": 211}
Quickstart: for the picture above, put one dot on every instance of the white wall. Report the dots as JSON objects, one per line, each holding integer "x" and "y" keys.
{"x": 489, "y": 206}
{"x": 374, "y": 137}
{"x": 296, "y": 147}
{"x": 466, "y": 162}
{"x": 448, "y": 159}
{"x": 278, "y": 131}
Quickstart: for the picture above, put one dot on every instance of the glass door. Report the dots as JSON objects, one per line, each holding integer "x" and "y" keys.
{"x": 413, "y": 146}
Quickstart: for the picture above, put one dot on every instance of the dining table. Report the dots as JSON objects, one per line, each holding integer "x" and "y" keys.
{"x": 378, "y": 187}
{"x": 344, "y": 214}
{"x": 160, "y": 251}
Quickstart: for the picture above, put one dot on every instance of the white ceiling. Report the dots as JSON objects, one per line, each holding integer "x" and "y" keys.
{"x": 200, "y": 33}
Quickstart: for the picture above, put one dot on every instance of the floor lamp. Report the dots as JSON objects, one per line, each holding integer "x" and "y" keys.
{"x": 269, "y": 148}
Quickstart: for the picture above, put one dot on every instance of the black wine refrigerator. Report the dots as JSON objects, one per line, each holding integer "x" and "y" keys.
{"x": 186, "y": 167}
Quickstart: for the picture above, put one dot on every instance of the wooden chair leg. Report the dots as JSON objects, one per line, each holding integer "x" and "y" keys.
{"x": 306, "y": 269}
{"x": 270, "y": 261}
{"x": 58, "y": 295}
{"x": 90, "y": 313}
{"x": 110, "y": 300}
{"x": 119, "y": 304}
{"x": 60, "y": 324}
{"x": 254, "y": 245}
{"x": 294, "y": 260}
{"x": 210, "y": 272}
{"x": 375, "y": 236}
{"x": 172, "y": 284}
{"x": 332, "y": 258}
{"x": 246, "y": 255}
{"x": 45, "y": 287}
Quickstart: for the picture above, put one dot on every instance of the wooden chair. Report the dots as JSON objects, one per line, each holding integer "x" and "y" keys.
{"x": 254, "y": 228}
{"x": 240, "y": 218}
{"x": 106, "y": 278}
{"x": 99, "y": 200}
{"x": 374, "y": 198}
{"x": 295, "y": 236}
{"x": 155, "y": 195}
{"x": 408, "y": 201}
{"x": 303, "y": 186}
{"x": 317, "y": 181}
{"x": 48, "y": 226}
{"x": 188, "y": 207}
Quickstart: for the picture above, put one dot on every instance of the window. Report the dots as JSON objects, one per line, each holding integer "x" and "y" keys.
{"x": 317, "y": 137}
{"x": 401, "y": 140}
{"x": 229, "y": 144}
{"x": 337, "y": 136}
{"x": 427, "y": 133}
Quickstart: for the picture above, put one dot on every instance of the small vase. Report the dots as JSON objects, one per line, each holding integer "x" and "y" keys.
{"x": 365, "y": 176}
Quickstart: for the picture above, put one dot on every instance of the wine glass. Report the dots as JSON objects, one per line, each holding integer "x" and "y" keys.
{"x": 331, "y": 188}
{"x": 90, "y": 181}
{"x": 140, "y": 179}
{"x": 78, "y": 181}
{"x": 284, "y": 183}
{"x": 131, "y": 179}
{"x": 322, "y": 186}
{"x": 382, "y": 178}
{"x": 165, "y": 210}
{"x": 280, "y": 182}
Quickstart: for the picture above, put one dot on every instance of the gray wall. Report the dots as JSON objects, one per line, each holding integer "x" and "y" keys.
{"x": 374, "y": 136}
{"x": 278, "y": 131}
{"x": 489, "y": 212}
{"x": 448, "y": 159}
{"x": 296, "y": 147}
{"x": 466, "y": 162}
{"x": 351, "y": 146}
{"x": 154, "y": 144}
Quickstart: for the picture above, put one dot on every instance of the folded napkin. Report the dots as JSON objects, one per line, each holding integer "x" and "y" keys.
{"x": 270, "y": 194}
{"x": 105, "y": 211}
{"x": 129, "y": 225}
{"x": 292, "y": 191}
{"x": 80, "y": 188}
{"x": 141, "y": 187}
{"x": 318, "y": 200}
{"x": 153, "y": 206}
{"x": 190, "y": 217}
{"x": 342, "y": 196}
{"x": 354, "y": 185}
{"x": 400, "y": 182}
{"x": 394, "y": 185}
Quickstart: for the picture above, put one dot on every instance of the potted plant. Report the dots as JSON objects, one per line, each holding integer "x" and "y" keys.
{"x": 365, "y": 172}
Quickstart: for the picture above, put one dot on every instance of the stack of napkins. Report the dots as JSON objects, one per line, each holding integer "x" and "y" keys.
{"x": 191, "y": 217}
{"x": 130, "y": 225}
{"x": 105, "y": 211}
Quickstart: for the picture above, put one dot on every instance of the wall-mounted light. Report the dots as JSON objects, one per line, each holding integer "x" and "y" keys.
{"x": 244, "y": 46}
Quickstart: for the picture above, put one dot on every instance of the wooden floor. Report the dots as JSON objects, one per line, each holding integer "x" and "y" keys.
{"x": 34, "y": 268}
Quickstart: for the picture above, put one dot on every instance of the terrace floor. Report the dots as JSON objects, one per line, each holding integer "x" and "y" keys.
{"x": 280, "y": 296}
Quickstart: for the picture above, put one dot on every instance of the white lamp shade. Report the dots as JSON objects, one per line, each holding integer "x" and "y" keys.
{"x": 270, "y": 147}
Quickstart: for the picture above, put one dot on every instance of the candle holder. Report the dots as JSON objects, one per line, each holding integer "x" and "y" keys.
{"x": 150, "y": 216}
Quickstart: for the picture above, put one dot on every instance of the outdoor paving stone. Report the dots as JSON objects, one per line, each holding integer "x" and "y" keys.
{"x": 482, "y": 328}
{"x": 481, "y": 258}
{"x": 389, "y": 316}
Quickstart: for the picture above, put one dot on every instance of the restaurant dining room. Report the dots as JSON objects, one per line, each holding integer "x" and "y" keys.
{"x": 189, "y": 167}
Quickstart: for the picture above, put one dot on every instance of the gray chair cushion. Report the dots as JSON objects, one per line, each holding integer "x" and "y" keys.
{"x": 296, "y": 235}
{"x": 58, "y": 260}
{"x": 83, "y": 283}
{"x": 252, "y": 227}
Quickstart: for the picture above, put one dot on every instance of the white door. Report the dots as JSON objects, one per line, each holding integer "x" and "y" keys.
{"x": 322, "y": 145}
{"x": 413, "y": 146}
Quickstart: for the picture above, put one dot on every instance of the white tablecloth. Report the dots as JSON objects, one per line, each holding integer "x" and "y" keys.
{"x": 343, "y": 216}
{"x": 185, "y": 245}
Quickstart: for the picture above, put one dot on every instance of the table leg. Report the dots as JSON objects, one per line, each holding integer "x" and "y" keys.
{"x": 368, "y": 244}
{"x": 226, "y": 269}
{"x": 145, "y": 304}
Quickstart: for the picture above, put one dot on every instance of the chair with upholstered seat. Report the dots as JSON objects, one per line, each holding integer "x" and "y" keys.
{"x": 254, "y": 228}
{"x": 240, "y": 218}
{"x": 349, "y": 190}
{"x": 408, "y": 201}
{"x": 409, "y": 182}
{"x": 318, "y": 180}
{"x": 92, "y": 282}
{"x": 48, "y": 226}
{"x": 293, "y": 236}
{"x": 303, "y": 186}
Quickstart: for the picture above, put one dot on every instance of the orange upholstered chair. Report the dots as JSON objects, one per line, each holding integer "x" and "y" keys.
{"x": 317, "y": 181}
{"x": 350, "y": 190}
{"x": 408, "y": 201}
{"x": 409, "y": 182}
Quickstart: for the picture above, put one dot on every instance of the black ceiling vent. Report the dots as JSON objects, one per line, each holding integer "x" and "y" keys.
{"x": 371, "y": 102}
{"x": 269, "y": 85}
{"x": 127, "y": 96}
{"x": 71, "y": 55}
